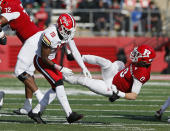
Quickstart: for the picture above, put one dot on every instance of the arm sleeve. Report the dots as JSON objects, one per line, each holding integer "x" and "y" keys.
{"x": 11, "y": 16}
{"x": 136, "y": 87}
{"x": 76, "y": 54}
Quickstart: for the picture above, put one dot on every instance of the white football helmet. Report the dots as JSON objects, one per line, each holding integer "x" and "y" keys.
{"x": 66, "y": 26}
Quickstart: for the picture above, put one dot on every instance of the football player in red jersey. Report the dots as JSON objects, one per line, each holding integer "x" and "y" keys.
{"x": 13, "y": 14}
{"x": 118, "y": 80}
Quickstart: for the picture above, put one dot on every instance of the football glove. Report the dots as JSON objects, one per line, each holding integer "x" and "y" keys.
{"x": 66, "y": 71}
{"x": 114, "y": 97}
{"x": 86, "y": 73}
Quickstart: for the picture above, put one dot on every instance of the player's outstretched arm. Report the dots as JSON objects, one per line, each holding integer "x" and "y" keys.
{"x": 78, "y": 58}
{"x": 136, "y": 87}
{"x": 131, "y": 96}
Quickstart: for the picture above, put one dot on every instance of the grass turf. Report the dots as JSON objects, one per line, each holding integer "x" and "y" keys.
{"x": 99, "y": 113}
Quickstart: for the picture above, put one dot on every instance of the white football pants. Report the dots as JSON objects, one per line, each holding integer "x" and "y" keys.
{"x": 26, "y": 55}
{"x": 108, "y": 70}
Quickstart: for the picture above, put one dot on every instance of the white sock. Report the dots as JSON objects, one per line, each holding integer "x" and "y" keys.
{"x": 28, "y": 104}
{"x": 166, "y": 105}
{"x": 39, "y": 95}
{"x": 1, "y": 101}
{"x": 97, "y": 86}
{"x": 49, "y": 96}
{"x": 61, "y": 95}
{"x": 1, "y": 97}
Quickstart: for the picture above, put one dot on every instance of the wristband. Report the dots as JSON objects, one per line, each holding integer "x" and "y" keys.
{"x": 121, "y": 94}
{"x": 61, "y": 68}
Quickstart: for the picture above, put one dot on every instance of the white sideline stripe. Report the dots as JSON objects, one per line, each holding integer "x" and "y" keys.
{"x": 153, "y": 100}
{"x": 68, "y": 91}
{"x": 157, "y": 84}
{"x": 9, "y": 109}
{"x": 126, "y": 105}
{"x": 7, "y": 90}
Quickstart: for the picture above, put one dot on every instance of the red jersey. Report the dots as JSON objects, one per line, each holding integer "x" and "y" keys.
{"x": 124, "y": 78}
{"x": 23, "y": 25}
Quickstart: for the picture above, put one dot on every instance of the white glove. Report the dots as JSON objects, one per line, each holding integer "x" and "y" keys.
{"x": 86, "y": 73}
{"x": 66, "y": 71}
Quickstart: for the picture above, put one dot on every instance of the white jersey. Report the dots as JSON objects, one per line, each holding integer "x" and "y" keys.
{"x": 51, "y": 39}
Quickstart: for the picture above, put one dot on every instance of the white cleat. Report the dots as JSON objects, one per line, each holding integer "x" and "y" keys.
{"x": 158, "y": 114}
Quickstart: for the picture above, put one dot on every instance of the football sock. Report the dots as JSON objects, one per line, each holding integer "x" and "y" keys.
{"x": 49, "y": 96}
{"x": 61, "y": 95}
{"x": 28, "y": 104}
{"x": 166, "y": 105}
{"x": 38, "y": 95}
{"x": 1, "y": 102}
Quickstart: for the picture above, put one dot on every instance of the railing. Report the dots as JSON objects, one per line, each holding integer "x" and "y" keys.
{"x": 127, "y": 25}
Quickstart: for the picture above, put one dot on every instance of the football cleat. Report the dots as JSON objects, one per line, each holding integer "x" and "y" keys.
{"x": 168, "y": 120}
{"x": 2, "y": 94}
{"x": 158, "y": 114}
{"x": 36, "y": 117}
{"x": 74, "y": 117}
{"x": 21, "y": 111}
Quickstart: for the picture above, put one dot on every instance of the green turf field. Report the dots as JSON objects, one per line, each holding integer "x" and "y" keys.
{"x": 99, "y": 113}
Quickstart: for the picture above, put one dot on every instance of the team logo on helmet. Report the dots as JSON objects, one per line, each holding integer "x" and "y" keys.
{"x": 66, "y": 26}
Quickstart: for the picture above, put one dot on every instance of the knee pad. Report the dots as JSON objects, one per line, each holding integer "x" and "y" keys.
{"x": 22, "y": 77}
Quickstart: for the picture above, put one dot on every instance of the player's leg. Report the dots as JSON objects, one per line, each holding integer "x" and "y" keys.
{"x": 27, "y": 104}
{"x": 24, "y": 68}
{"x": 2, "y": 94}
{"x": 96, "y": 86}
{"x": 160, "y": 112}
{"x": 108, "y": 69}
{"x": 55, "y": 79}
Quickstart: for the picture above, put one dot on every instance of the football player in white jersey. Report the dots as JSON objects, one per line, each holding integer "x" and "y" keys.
{"x": 53, "y": 38}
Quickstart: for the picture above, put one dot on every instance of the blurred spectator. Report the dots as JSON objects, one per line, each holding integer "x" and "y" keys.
{"x": 101, "y": 18}
{"x": 59, "y": 4}
{"x": 151, "y": 19}
{"x": 117, "y": 16}
{"x": 156, "y": 23}
{"x": 135, "y": 24}
{"x": 167, "y": 59}
{"x": 84, "y": 16}
{"x": 42, "y": 16}
{"x": 25, "y": 2}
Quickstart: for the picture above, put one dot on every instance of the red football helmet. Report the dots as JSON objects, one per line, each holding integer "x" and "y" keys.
{"x": 143, "y": 53}
{"x": 66, "y": 26}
